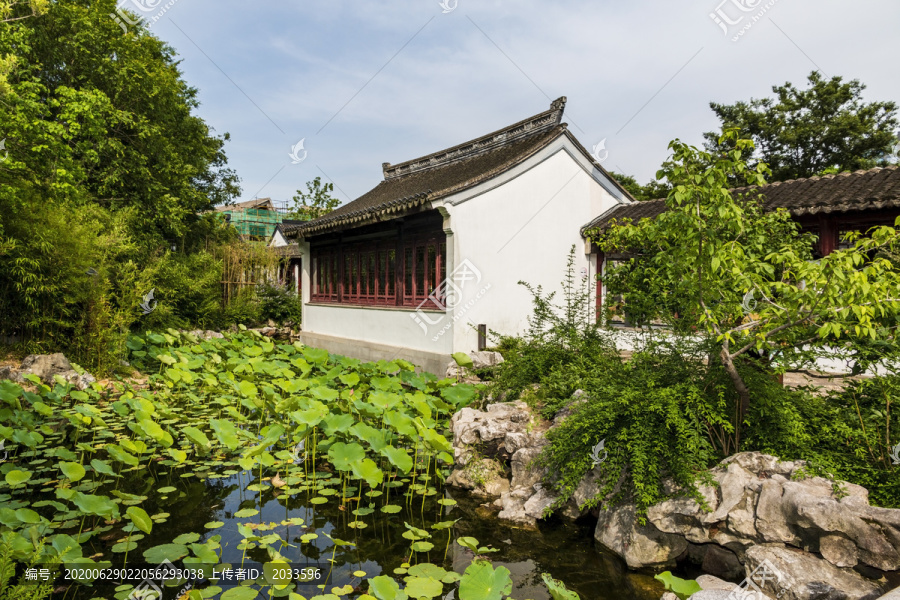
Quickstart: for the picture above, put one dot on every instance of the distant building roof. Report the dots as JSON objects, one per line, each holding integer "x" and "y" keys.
{"x": 414, "y": 183}
{"x": 861, "y": 190}
{"x": 258, "y": 203}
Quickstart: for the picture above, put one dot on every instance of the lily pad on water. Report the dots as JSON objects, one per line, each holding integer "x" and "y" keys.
{"x": 187, "y": 538}
{"x": 124, "y": 547}
{"x": 170, "y": 552}
{"x": 246, "y": 512}
{"x": 214, "y": 524}
{"x": 239, "y": 593}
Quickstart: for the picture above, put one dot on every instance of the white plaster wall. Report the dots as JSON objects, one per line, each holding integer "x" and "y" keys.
{"x": 278, "y": 239}
{"x": 521, "y": 230}
{"x": 392, "y": 327}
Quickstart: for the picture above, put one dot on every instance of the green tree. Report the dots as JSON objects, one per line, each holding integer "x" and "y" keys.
{"x": 315, "y": 202}
{"x": 104, "y": 168}
{"x": 15, "y": 10}
{"x": 745, "y": 276}
{"x": 806, "y": 132}
{"x": 653, "y": 190}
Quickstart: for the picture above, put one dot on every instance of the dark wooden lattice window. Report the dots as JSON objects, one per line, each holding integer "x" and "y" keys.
{"x": 369, "y": 273}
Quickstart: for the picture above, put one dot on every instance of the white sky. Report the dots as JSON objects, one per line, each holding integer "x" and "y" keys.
{"x": 398, "y": 79}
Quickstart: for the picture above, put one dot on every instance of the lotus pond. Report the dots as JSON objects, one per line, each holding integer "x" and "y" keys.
{"x": 240, "y": 451}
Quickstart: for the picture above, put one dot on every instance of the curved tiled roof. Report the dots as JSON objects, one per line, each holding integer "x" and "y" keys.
{"x": 872, "y": 189}
{"x": 414, "y": 183}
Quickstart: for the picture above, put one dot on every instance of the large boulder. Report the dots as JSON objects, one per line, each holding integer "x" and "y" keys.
{"x": 639, "y": 545}
{"x": 484, "y": 477}
{"x": 47, "y": 367}
{"x": 792, "y": 574}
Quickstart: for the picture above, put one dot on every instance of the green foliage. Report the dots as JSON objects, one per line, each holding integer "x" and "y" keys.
{"x": 315, "y": 202}
{"x": 651, "y": 191}
{"x": 278, "y": 303}
{"x": 188, "y": 291}
{"x": 655, "y": 413}
{"x": 682, "y": 588}
{"x": 699, "y": 260}
{"x": 805, "y": 132}
{"x": 11, "y": 589}
{"x": 107, "y": 167}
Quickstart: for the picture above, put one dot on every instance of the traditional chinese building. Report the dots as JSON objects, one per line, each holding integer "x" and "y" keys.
{"x": 428, "y": 261}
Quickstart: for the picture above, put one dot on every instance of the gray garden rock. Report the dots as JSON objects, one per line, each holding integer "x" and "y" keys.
{"x": 709, "y": 582}
{"x": 640, "y": 546}
{"x": 484, "y": 477}
{"x": 48, "y": 366}
{"x": 817, "y": 528}
{"x": 798, "y": 575}
{"x": 485, "y": 359}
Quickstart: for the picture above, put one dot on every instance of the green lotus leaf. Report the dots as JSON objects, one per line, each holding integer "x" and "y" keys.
{"x": 384, "y": 400}
{"x": 17, "y": 477}
{"x": 463, "y": 360}
{"x": 101, "y": 506}
{"x": 26, "y": 515}
{"x": 197, "y": 436}
{"x": 401, "y": 424}
{"x": 427, "y": 570}
{"x": 101, "y": 466}
{"x": 269, "y": 572}
{"x": 399, "y": 458}
{"x": 140, "y": 518}
{"x": 226, "y": 433}
{"x": 67, "y": 547}
{"x": 120, "y": 455}
{"x": 680, "y": 587}
{"x": 343, "y": 455}
{"x": 482, "y": 581}
{"x": 186, "y": 538}
{"x": 338, "y": 423}
{"x": 178, "y": 455}
{"x": 239, "y": 593}
{"x": 126, "y": 546}
{"x": 459, "y": 395}
{"x": 368, "y": 470}
{"x": 170, "y": 552}
{"x": 385, "y": 588}
{"x": 349, "y": 379}
{"x": 423, "y": 587}
{"x": 371, "y": 436}
{"x": 73, "y": 471}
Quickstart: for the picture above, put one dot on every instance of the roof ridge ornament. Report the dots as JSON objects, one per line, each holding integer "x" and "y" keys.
{"x": 538, "y": 123}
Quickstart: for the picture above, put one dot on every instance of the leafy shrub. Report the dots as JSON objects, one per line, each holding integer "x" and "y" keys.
{"x": 654, "y": 413}
{"x": 188, "y": 291}
{"x": 243, "y": 309}
{"x": 278, "y": 303}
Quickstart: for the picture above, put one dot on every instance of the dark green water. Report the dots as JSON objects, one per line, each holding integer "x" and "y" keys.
{"x": 565, "y": 550}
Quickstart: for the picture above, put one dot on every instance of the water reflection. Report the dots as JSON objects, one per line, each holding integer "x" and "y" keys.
{"x": 565, "y": 550}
